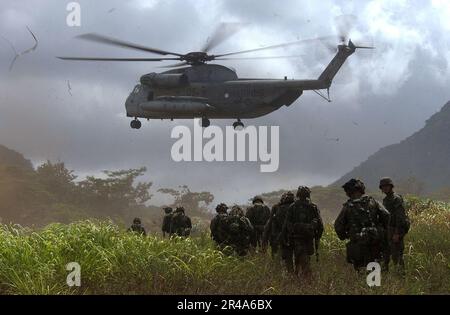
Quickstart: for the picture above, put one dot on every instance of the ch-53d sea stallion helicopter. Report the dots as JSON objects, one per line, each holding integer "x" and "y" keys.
{"x": 212, "y": 91}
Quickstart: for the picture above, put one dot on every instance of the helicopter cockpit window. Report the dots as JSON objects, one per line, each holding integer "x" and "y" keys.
{"x": 136, "y": 90}
{"x": 150, "y": 96}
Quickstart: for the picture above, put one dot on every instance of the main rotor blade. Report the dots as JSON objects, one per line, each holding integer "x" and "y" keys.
{"x": 221, "y": 33}
{"x": 115, "y": 59}
{"x": 260, "y": 58}
{"x": 176, "y": 65}
{"x": 116, "y": 42}
{"x": 299, "y": 42}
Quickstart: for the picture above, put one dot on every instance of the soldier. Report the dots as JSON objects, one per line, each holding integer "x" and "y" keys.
{"x": 167, "y": 220}
{"x": 217, "y": 226}
{"x": 137, "y": 227}
{"x": 364, "y": 222}
{"x": 181, "y": 224}
{"x": 273, "y": 228}
{"x": 302, "y": 227}
{"x": 398, "y": 225}
{"x": 258, "y": 214}
{"x": 239, "y": 231}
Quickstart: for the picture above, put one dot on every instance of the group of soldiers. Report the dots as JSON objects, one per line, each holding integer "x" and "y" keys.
{"x": 375, "y": 231}
{"x": 174, "y": 223}
{"x": 294, "y": 227}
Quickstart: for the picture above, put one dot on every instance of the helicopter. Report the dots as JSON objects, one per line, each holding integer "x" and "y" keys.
{"x": 193, "y": 88}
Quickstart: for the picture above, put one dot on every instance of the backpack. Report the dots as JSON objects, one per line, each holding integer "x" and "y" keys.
{"x": 237, "y": 229}
{"x": 258, "y": 214}
{"x": 302, "y": 226}
{"x": 180, "y": 225}
{"x": 219, "y": 227}
{"x": 363, "y": 225}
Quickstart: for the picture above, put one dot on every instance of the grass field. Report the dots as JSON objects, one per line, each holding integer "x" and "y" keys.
{"x": 116, "y": 262}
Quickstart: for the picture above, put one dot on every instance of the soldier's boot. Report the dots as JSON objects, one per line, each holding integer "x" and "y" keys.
{"x": 289, "y": 265}
{"x": 399, "y": 264}
{"x": 385, "y": 265}
{"x": 274, "y": 250}
{"x": 303, "y": 267}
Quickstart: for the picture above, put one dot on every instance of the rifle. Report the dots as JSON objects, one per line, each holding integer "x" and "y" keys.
{"x": 316, "y": 248}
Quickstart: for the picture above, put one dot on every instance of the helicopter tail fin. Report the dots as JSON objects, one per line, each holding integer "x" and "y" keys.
{"x": 344, "y": 51}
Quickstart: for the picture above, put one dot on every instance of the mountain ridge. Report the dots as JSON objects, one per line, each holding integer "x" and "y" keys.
{"x": 424, "y": 156}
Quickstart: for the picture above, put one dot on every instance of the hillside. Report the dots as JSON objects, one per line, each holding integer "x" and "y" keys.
{"x": 10, "y": 157}
{"x": 423, "y": 158}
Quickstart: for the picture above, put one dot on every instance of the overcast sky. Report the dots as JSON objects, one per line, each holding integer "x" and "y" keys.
{"x": 379, "y": 98}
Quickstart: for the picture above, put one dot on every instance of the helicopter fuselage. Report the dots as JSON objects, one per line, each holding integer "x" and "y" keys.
{"x": 212, "y": 91}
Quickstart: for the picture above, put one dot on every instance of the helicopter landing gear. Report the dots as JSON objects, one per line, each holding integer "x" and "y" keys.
{"x": 205, "y": 122}
{"x": 238, "y": 125}
{"x": 135, "y": 124}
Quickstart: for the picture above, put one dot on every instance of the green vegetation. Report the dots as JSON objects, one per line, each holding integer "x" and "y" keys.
{"x": 113, "y": 261}
{"x": 52, "y": 193}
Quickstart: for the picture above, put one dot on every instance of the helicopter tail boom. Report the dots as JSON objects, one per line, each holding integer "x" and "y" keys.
{"x": 344, "y": 51}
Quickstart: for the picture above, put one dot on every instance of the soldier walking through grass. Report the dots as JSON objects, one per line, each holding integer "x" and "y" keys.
{"x": 137, "y": 227}
{"x": 398, "y": 225}
{"x": 181, "y": 224}
{"x": 258, "y": 214}
{"x": 302, "y": 226}
{"x": 218, "y": 225}
{"x": 274, "y": 226}
{"x": 364, "y": 222}
{"x": 239, "y": 231}
{"x": 167, "y": 221}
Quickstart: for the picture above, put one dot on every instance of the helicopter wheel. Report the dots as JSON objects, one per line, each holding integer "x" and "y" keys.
{"x": 135, "y": 124}
{"x": 205, "y": 122}
{"x": 238, "y": 125}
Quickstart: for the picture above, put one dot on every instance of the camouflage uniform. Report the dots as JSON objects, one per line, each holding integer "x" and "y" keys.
{"x": 218, "y": 225}
{"x": 137, "y": 227}
{"x": 363, "y": 221}
{"x": 167, "y": 220}
{"x": 302, "y": 227}
{"x": 258, "y": 214}
{"x": 398, "y": 225}
{"x": 238, "y": 230}
{"x": 274, "y": 227}
{"x": 181, "y": 224}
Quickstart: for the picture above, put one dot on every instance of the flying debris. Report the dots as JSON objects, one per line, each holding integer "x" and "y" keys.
{"x": 16, "y": 54}
{"x": 69, "y": 87}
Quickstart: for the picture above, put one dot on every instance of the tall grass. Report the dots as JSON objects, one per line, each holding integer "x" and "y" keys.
{"x": 116, "y": 262}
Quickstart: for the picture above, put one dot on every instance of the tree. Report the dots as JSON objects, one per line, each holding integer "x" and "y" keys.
{"x": 197, "y": 201}
{"x": 56, "y": 179}
{"x": 117, "y": 192}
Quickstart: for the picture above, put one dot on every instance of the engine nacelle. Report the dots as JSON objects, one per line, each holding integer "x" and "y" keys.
{"x": 175, "y": 107}
{"x": 163, "y": 80}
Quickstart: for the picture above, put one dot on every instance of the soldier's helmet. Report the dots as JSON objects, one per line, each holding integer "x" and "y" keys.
{"x": 179, "y": 209}
{"x": 137, "y": 221}
{"x": 221, "y": 208}
{"x": 288, "y": 197}
{"x": 167, "y": 210}
{"x": 354, "y": 185}
{"x": 237, "y": 211}
{"x": 257, "y": 199}
{"x": 386, "y": 181}
{"x": 303, "y": 192}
